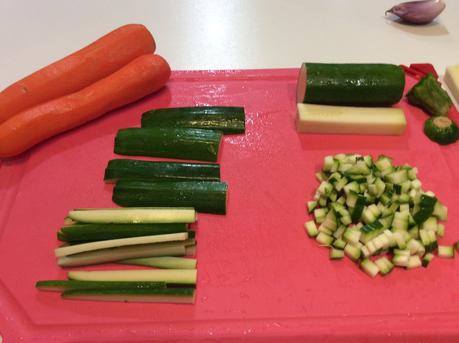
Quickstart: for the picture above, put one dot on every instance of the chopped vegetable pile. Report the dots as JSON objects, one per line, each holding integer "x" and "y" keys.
{"x": 377, "y": 214}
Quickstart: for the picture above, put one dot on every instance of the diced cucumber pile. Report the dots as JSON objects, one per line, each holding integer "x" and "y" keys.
{"x": 376, "y": 214}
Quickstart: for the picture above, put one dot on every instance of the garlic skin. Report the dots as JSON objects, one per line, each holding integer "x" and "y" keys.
{"x": 418, "y": 12}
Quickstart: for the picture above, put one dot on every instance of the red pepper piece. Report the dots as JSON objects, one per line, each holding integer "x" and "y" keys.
{"x": 424, "y": 68}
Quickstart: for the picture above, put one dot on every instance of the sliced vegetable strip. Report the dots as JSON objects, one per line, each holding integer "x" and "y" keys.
{"x": 204, "y": 196}
{"x": 191, "y": 144}
{"x": 77, "y": 233}
{"x": 180, "y": 295}
{"x": 160, "y": 171}
{"x": 228, "y": 120}
{"x": 143, "y": 215}
{"x": 175, "y": 276}
{"x": 60, "y": 285}
{"x": 116, "y": 243}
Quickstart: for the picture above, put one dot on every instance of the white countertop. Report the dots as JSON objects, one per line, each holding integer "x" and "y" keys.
{"x": 219, "y": 34}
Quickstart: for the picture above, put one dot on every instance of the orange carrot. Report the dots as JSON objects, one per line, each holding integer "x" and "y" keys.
{"x": 78, "y": 70}
{"x": 135, "y": 80}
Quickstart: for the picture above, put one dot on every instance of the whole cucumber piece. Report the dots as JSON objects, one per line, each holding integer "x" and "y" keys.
{"x": 353, "y": 84}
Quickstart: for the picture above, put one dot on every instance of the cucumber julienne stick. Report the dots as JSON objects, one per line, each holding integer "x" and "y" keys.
{"x": 204, "y": 196}
{"x": 143, "y": 215}
{"x": 122, "y": 253}
{"x": 190, "y": 144}
{"x": 98, "y": 232}
{"x": 350, "y": 84}
{"x": 153, "y": 170}
{"x": 179, "y": 295}
{"x": 167, "y": 262}
{"x": 60, "y": 285}
{"x": 115, "y": 243}
{"x": 175, "y": 276}
{"x": 226, "y": 119}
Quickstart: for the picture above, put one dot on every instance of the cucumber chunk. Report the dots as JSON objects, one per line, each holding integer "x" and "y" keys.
{"x": 441, "y": 130}
{"x": 428, "y": 95}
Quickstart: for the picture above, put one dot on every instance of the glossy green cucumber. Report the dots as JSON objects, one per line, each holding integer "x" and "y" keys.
{"x": 350, "y": 84}
{"x": 229, "y": 120}
{"x": 204, "y": 196}
{"x": 190, "y": 144}
{"x": 60, "y": 285}
{"x": 153, "y": 170}
{"x": 77, "y": 233}
{"x": 164, "y": 295}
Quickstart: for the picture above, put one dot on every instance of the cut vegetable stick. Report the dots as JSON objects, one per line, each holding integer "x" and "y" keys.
{"x": 61, "y": 285}
{"x": 350, "y": 120}
{"x": 190, "y": 250}
{"x": 166, "y": 262}
{"x": 131, "y": 215}
{"x": 78, "y": 70}
{"x": 166, "y": 295}
{"x": 98, "y": 232}
{"x": 122, "y": 253}
{"x": 112, "y": 243}
{"x": 176, "y": 276}
{"x": 140, "y": 77}
{"x": 451, "y": 79}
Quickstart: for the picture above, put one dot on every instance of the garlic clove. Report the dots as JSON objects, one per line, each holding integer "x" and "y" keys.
{"x": 418, "y": 12}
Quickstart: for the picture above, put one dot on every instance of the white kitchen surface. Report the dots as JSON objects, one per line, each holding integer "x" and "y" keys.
{"x": 219, "y": 34}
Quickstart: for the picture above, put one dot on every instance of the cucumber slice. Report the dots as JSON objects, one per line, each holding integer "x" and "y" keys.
{"x": 440, "y": 211}
{"x": 428, "y": 95}
{"x": 98, "y": 232}
{"x": 311, "y": 206}
{"x": 61, "y": 285}
{"x": 441, "y": 130}
{"x": 175, "y": 276}
{"x": 427, "y": 259}
{"x": 350, "y": 84}
{"x": 166, "y": 262}
{"x": 113, "y": 243}
{"x": 204, "y": 196}
{"x": 229, "y": 120}
{"x": 152, "y": 170}
{"x": 352, "y": 251}
{"x": 189, "y": 144}
{"x": 146, "y": 215}
{"x": 123, "y": 253}
{"x": 167, "y": 295}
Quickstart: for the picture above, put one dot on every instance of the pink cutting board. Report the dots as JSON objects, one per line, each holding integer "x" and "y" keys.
{"x": 260, "y": 278}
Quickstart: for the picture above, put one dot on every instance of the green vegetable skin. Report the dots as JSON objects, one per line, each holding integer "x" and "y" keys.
{"x": 173, "y": 295}
{"x": 95, "y": 232}
{"x": 204, "y": 196}
{"x": 229, "y": 120}
{"x": 441, "y": 130}
{"x": 191, "y": 144}
{"x": 60, "y": 285}
{"x": 429, "y": 95}
{"x": 152, "y": 170}
{"x": 350, "y": 84}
